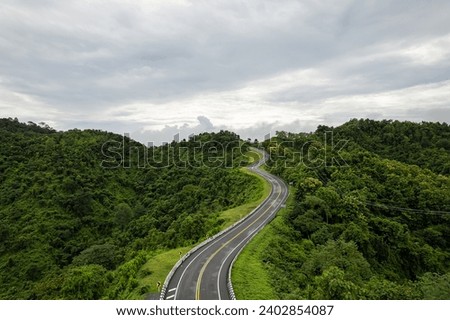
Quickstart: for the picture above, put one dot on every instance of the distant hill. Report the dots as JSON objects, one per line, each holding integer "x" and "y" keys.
{"x": 425, "y": 144}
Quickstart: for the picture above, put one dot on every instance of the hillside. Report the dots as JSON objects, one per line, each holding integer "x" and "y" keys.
{"x": 370, "y": 221}
{"x": 425, "y": 144}
{"x": 81, "y": 211}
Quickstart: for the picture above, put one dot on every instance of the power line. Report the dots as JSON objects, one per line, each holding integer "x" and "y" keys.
{"x": 382, "y": 205}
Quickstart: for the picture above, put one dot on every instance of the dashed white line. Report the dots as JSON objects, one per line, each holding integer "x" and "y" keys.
{"x": 195, "y": 258}
{"x": 249, "y": 236}
{"x": 275, "y": 185}
{"x": 215, "y": 241}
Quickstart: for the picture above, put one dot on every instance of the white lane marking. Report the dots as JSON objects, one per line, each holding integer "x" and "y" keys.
{"x": 173, "y": 289}
{"x": 262, "y": 173}
{"x": 195, "y": 258}
{"x": 170, "y": 297}
{"x": 201, "y": 252}
{"x": 234, "y": 249}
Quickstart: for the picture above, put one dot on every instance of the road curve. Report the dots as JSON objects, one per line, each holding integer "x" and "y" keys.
{"x": 203, "y": 275}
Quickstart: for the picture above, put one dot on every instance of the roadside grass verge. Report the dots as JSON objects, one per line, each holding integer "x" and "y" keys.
{"x": 250, "y": 276}
{"x": 230, "y": 216}
{"x": 156, "y": 270}
{"x": 253, "y": 156}
{"x": 161, "y": 262}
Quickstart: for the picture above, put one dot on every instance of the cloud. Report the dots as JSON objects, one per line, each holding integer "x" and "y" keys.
{"x": 205, "y": 123}
{"x": 169, "y": 133}
{"x": 255, "y": 66}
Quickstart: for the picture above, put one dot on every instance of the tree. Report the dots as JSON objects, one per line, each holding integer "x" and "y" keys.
{"x": 123, "y": 215}
{"x": 332, "y": 285}
{"x": 435, "y": 286}
{"x": 84, "y": 282}
{"x": 105, "y": 255}
{"x": 340, "y": 254}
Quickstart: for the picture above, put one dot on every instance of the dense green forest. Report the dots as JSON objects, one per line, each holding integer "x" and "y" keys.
{"x": 426, "y": 145}
{"x": 369, "y": 217}
{"x": 81, "y": 211}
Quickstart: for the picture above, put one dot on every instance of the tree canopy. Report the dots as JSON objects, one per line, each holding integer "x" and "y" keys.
{"x": 78, "y": 208}
{"x": 370, "y": 220}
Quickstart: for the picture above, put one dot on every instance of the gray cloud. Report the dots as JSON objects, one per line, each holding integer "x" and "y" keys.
{"x": 252, "y": 67}
{"x": 173, "y": 132}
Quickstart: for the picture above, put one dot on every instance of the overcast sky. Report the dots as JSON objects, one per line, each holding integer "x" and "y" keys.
{"x": 156, "y": 68}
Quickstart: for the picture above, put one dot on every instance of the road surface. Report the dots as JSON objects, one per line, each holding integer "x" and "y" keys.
{"x": 204, "y": 274}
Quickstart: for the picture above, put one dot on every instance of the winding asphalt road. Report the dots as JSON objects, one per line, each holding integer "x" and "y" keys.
{"x": 203, "y": 275}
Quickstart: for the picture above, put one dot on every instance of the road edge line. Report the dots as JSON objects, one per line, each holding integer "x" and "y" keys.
{"x": 207, "y": 241}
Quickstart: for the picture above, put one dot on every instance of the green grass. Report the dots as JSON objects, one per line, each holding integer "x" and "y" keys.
{"x": 156, "y": 270}
{"x": 159, "y": 265}
{"x": 235, "y": 214}
{"x": 253, "y": 156}
{"x": 250, "y": 277}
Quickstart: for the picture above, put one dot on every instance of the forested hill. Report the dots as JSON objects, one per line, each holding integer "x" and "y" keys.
{"x": 79, "y": 210}
{"x": 369, "y": 218}
{"x": 425, "y": 144}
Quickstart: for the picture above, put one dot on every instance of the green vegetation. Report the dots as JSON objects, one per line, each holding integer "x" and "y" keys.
{"x": 426, "y": 144}
{"x": 94, "y": 215}
{"x": 83, "y": 213}
{"x": 159, "y": 266}
{"x": 156, "y": 270}
{"x": 362, "y": 225}
{"x": 251, "y": 277}
{"x": 253, "y": 156}
{"x": 233, "y": 215}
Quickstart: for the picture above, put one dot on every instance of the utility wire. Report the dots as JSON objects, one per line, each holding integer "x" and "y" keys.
{"x": 382, "y": 205}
